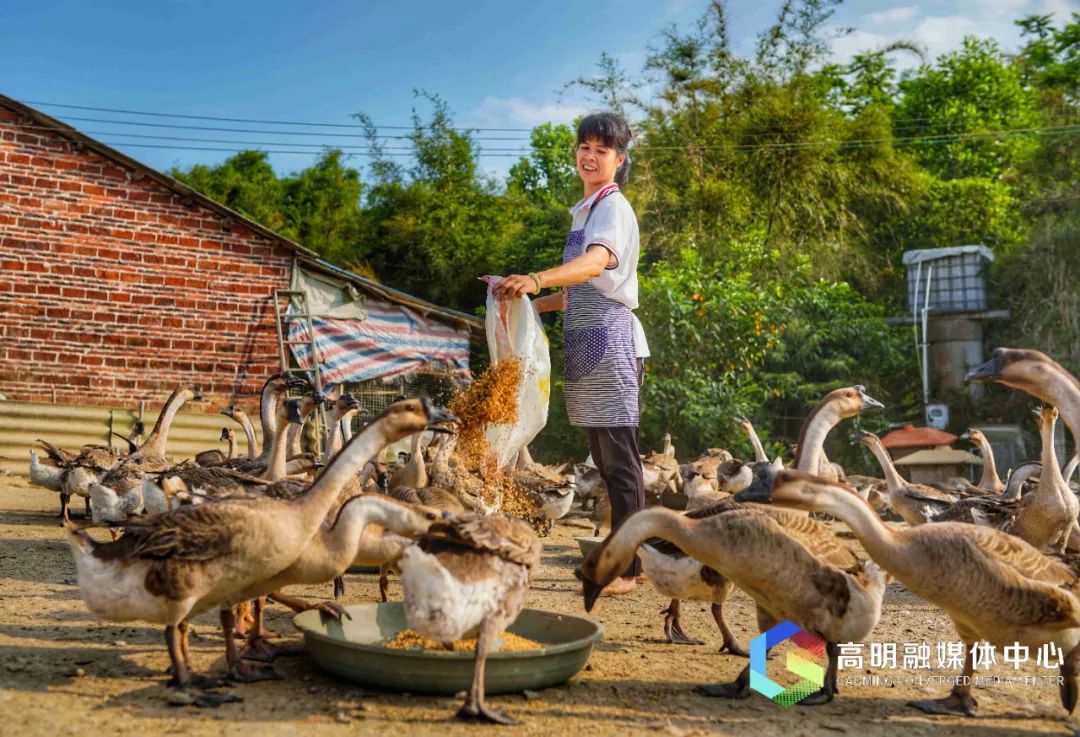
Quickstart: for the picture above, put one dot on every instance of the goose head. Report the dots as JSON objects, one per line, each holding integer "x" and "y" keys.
{"x": 226, "y": 434}
{"x": 344, "y": 406}
{"x": 866, "y": 438}
{"x": 1046, "y": 418}
{"x": 1018, "y": 368}
{"x": 410, "y": 520}
{"x": 851, "y": 401}
{"x": 409, "y": 416}
{"x": 599, "y": 568}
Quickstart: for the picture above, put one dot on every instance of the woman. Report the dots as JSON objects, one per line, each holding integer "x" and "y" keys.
{"x": 603, "y": 343}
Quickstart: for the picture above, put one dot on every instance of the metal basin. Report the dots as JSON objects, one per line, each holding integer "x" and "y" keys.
{"x": 588, "y": 543}
{"x": 352, "y": 649}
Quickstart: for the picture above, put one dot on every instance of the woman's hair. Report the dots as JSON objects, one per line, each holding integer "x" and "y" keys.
{"x": 612, "y": 131}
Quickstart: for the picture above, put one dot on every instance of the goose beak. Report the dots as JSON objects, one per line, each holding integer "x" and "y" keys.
{"x": 966, "y": 435}
{"x": 437, "y": 415}
{"x": 196, "y": 395}
{"x": 590, "y": 590}
{"x": 760, "y": 490}
{"x": 868, "y": 402}
{"x": 228, "y": 411}
{"x": 989, "y": 371}
{"x": 318, "y": 397}
{"x": 224, "y": 434}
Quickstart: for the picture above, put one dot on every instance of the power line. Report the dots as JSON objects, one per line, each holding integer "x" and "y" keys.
{"x": 245, "y": 130}
{"x": 897, "y": 123}
{"x": 253, "y": 120}
{"x": 914, "y": 141}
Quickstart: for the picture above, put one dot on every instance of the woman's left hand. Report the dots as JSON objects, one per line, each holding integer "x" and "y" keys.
{"x": 514, "y": 285}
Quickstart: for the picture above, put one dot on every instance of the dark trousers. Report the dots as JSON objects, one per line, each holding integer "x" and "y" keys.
{"x": 615, "y": 453}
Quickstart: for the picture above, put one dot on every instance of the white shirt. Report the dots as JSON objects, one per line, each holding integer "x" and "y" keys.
{"x": 613, "y": 225}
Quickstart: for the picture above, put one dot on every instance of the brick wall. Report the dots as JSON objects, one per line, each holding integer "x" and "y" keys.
{"x": 114, "y": 288}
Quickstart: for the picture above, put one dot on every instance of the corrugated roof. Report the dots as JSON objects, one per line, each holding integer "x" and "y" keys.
{"x": 939, "y": 457}
{"x": 910, "y": 436}
{"x": 308, "y": 256}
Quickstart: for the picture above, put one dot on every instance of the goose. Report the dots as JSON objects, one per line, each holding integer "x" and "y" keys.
{"x": 1039, "y": 375}
{"x": 216, "y": 457}
{"x": 994, "y": 586}
{"x": 235, "y": 413}
{"x": 50, "y": 477}
{"x": 271, "y": 396}
{"x": 989, "y": 482}
{"x": 1047, "y": 516}
{"x": 791, "y": 566}
{"x": 470, "y": 578}
{"x": 1023, "y": 479}
{"x": 126, "y": 476}
{"x": 333, "y": 549}
{"x": 168, "y": 568}
{"x": 755, "y": 441}
{"x": 836, "y": 406}
{"x": 80, "y": 471}
{"x": 414, "y": 472}
{"x": 915, "y": 503}
{"x": 345, "y": 407}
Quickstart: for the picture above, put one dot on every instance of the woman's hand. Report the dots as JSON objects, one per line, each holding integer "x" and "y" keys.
{"x": 515, "y": 285}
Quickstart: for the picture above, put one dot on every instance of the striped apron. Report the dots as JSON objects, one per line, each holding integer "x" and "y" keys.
{"x": 599, "y": 361}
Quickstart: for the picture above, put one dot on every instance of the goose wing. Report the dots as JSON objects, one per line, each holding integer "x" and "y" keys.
{"x": 501, "y": 535}
{"x": 193, "y": 533}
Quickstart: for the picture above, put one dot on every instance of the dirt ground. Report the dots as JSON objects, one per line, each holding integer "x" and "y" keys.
{"x": 64, "y": 672}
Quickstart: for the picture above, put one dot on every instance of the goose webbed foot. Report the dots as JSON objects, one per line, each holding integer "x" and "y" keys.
{"x": 737, "y": 689}
{"x": 673, "y": 628}
{"x": 247, "y": 673}
{"x": 955, "y": 704}
{"x": 477, "y": 711}
{"x": 333, "y": 610}
{"x": 732, "y": 646}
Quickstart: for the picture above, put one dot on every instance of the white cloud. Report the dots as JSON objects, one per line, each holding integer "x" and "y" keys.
{"x": 894, "y": 15}
{"x": 517, "y": 112}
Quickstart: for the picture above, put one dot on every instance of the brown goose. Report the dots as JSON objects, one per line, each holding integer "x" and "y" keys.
{"x": 916, "y": 503}
{"x": 994, "y": 586}
{"x": 126, "y": 477}
{"x": 836, "y": 406}
{"x": 791, "y": 566}
{"x": 170, "y": 567}
{"x": 469, "y": 578}
{"x": 235, "y": 413}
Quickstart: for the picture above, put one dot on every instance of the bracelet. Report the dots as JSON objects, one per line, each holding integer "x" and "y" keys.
{"x": 536, "y": 279}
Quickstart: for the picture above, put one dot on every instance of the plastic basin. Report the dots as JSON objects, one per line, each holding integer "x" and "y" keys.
{"x": 352, "y": 649}
{"x": 586, "y": 544}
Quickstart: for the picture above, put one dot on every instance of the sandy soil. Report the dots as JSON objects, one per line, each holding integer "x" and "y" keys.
{"x": 64, "y": 672}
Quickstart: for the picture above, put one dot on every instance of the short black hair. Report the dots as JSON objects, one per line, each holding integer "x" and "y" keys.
{"x": 612, "y": 130}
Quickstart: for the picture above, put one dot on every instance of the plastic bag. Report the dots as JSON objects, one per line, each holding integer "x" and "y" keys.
{"x": 514, "y": 329}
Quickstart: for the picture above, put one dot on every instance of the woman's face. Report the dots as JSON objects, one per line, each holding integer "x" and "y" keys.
{"x": 597, "y": 163}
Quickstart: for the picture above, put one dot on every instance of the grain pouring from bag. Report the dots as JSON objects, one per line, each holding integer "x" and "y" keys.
{"x": 491, "y": 399}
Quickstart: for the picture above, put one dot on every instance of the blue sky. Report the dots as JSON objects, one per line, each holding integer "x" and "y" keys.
{"x": 497, "y": 64}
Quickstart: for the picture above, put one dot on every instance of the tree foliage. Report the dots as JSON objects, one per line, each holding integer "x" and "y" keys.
{"x": 776, "y": 192}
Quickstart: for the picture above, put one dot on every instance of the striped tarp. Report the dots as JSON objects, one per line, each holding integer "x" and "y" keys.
{"x": 391, "y": 341}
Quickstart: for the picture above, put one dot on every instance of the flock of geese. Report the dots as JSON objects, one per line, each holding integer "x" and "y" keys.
{"x": 995, "y": 562}
{"x": 231, "y": 533}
